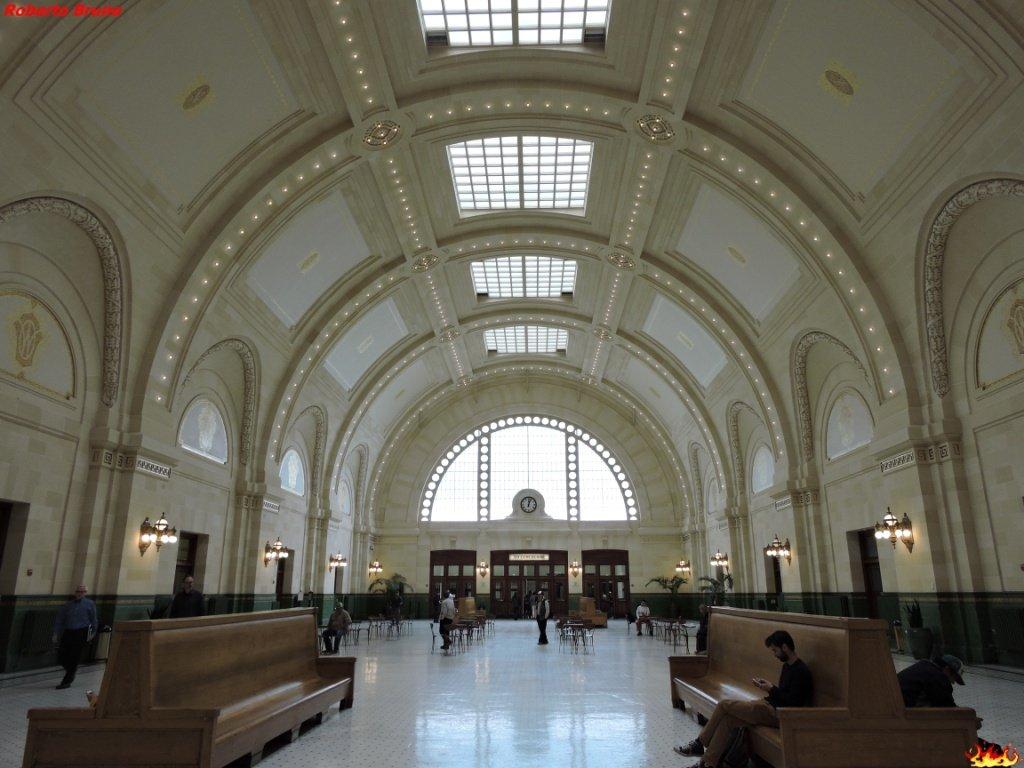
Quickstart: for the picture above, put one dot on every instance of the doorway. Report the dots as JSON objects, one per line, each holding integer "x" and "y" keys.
{"x": 521, "y": 572}
{"x": 185, "y": 565}
{"x": 872, "y": 572}
{"x": 451, "y": 570}
{"x": 606, "y": 579}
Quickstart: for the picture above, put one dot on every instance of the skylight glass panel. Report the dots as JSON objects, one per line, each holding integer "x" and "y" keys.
{"x": 525, "y": 339}
{"x": 509, "y": 277}
{"x": 515, "y": 172}
{"x": 479, "y": 23}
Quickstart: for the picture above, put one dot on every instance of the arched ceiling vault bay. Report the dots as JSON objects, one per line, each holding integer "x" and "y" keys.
{"x": 694, "y": 257}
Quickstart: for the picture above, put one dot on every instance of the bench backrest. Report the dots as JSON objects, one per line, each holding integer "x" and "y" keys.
{"x": 211, "y": 661}
{"x": 588, "y": 606}
{"x": 848, "y": 658}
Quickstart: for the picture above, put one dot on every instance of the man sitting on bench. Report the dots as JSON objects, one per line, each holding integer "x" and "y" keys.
{"x": 795, "y": 689}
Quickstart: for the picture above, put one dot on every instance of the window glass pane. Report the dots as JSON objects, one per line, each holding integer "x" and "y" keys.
{"x": 620, "y": 570}
{"x": 529, "y": 570}
{"x": 499, "y": 570}
{"x": 453, "y": 570}
{"x": 606, "y": 570}
{"x": 203, "y": 431}
{"x": 559, "y": 570}
{"x": 543, "y": 570}
{"x": 439, "y": 570}
{"x": 456, "y": 497}
{"x": 468, "y": 570}
{"x": 622, "y": 590}
{"x": 601, "y": 497}
{"x": 293, "y": 474}
{"x": 528, "y": 457}
{"x": 589, "y": 569}
{"x": 513, "y": 570}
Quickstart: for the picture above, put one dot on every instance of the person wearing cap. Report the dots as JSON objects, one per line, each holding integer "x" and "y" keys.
{"x": 929, "y": 683}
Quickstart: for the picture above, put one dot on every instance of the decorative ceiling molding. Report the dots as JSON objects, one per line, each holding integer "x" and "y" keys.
{"x": 319, "y": 443}
{"x": 732, "y": 416}
{"x": 697, "y": 480}
{"x": 799, "y": 379}
{"x": 248, "y": 357}
{"x": 112, "y": 271}
{"x": 934, "y": 260}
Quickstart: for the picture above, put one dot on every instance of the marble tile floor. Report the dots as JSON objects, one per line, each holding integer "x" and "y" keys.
{"x": 506, "y": 703}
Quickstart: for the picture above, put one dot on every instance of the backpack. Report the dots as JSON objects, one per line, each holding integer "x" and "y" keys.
{"x": 736, "y": 753}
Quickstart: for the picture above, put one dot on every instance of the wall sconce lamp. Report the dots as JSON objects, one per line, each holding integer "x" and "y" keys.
{"x": 574, "y": 568}
{"x": 779, "y": 550}
{"x": 376, "y": 567}
{"x": 337, "y": 561}
{"x": 158, "y": 533}
{"x": 483, "y": 569}
{"x": 683, "y": 566}
{"x": 895, "y": 530}
{"x": 273, "y": 552}
{"x": 720, "y": 560}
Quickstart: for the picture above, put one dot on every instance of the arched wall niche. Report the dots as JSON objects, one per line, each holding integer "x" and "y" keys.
{"x": 404, "y": 473}
{"x": 203, "y": 430}
{"x": 112, "y": 272}
{"x": 762, "y": 469}
{"x": 36, "y": 350}
{"x": 848, "y": 424}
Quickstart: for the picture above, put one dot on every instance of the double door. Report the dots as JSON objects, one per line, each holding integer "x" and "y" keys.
{"x": 517, "y": 574}
{"x": 606, "y": 579}
{"x": 452, "y": 570}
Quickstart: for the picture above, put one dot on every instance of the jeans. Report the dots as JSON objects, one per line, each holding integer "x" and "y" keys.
{"x": 69, "y": 652}
{"x": 542, "y": 625}
{"x": 332, "y": 640}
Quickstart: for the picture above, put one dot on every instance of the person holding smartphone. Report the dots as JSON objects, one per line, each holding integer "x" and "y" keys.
{"x": 795, "y": 689}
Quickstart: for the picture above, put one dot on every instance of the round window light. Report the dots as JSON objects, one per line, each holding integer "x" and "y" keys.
{"x": 606, "y": 453}
{"x": 501, "y": 423}
{"x": 483, "y": 475}
{"x": 476, "y": 432}
{"x": 450, "y": 455}
{"x": 435, "y": 477}
{"x": 456, "y": 448}
{"x": 432, "y": 485}
{"x": 545, "y": 421}
{"x": 483, "y": 494}
{"x": 627, "y": 493}
{"x": 483, "y": 484}
{"x": 486, "y": 428}
{"x": 586, "y": 435}
{"x": 572, "y": 494}
{"x": 592, "y": 442}
{"x": 519, "y": 419}
{"x": 572, "y": 465}
{"x": 572, "y": 502}
{"x": 484, "y": 449}
{"x": 561, "y": 425}
{"x": 426, "y": 510}
{"x": 622, "y": 475}
{"x": 599, "y": 447}
{"x": 444, "y": 462}
{"x": 630, "y": 503}
{"x": 429, "y": 494}
{"x": 572, "y": 483}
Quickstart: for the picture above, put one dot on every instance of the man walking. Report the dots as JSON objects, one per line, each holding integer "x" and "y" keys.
{"x": 74, "y": 627}
{"x": 795, "y": 689}
{"x": 188, "y": 602}
{"x": 446, "y": 618}
{"x": 543, "y": 612}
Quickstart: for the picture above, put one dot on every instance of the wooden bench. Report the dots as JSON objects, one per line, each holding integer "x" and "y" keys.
{"x": 857, "y": 719}
{"x": 196, "y": 692}
{"x": 588, "y": 612}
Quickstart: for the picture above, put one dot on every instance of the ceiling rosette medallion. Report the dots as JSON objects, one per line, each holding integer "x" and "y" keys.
{"x": 620, "y": 260}
{"x": 465, "y": 381}
{"x": 382, "y": 134}
{"x": 655, "y": 127}
{"x": 424, "y": 262}
{"x": 449, "y": 334}
{"x": 603, "y": 333}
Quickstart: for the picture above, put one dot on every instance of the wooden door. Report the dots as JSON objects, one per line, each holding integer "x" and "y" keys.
{"x": 521, "y": 572}
{"x": 451, "y": 570}
{"x": 185, "y": 565}
{"x": 606, "y": 579}
{"x": 871, "y": 570}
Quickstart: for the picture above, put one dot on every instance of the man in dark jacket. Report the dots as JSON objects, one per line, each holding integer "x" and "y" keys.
{"x": 795, "y": 689}
{"x": 74, "y": 628}
{"x": 929, "y": 683}
{"x": 188, "y": 602}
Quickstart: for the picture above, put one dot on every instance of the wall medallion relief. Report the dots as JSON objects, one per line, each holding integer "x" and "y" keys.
{"x": 34, "y": 348}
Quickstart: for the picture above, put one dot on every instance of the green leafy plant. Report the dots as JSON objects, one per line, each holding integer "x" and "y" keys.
{"x": 392, "y": 587}
{"x": 714, "y": 588}
{"x": 914, "y": 618}
{"x": 669, "y": 584}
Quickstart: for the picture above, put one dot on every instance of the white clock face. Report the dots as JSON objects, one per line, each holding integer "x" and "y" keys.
{"x": 527, "y": 503}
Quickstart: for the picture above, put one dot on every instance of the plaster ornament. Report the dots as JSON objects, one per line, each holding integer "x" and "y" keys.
{"x": 381, "y": 134}
{"x": 28, "y": 335}
{"x": 655, "y": 127}
{"x": 1015, "y": 324}
{"x": 248, "y": 359}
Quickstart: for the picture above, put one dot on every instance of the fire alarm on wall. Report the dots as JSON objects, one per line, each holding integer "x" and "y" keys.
{"x": 29, "y": 571}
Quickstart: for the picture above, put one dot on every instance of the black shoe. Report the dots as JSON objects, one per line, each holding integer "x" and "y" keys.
{"x": 693, "y": 749}
{"x": 62, "y": 686}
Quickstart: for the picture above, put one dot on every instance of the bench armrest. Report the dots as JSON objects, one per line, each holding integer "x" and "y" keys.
{"x": 62, "y": 713}
{"x": 687, "y": 666}
{"x": 337, "y": 667}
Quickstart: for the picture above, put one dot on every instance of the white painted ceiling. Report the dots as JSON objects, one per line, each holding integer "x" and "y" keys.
{"x": 373, "y": 335}
{"x": 403, "y": 390}
{"x": 681, "y": 334}
{"x": 312, "y": 252}
{"x": 737, "y": 249}
{"x": 153, "y": 61}
{"x": 901, "y": 75}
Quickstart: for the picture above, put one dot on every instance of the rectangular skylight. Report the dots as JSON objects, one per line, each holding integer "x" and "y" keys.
{"x": 525, "y": 339}
{"x": 478, "y": 23}
{"x": 515, "y": 172}
{"x": 531, "y": 277}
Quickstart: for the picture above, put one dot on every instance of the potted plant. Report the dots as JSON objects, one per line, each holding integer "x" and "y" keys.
{"x": 671, "y": 585}
{"x": 919, "y": 637}
{"x": 714, "y": 588}
{"x": 393, "y": 587}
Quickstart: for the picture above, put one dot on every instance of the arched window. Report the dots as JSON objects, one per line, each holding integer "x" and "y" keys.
{"x": 203, "y": 432}
{"x": 293, "y": 474}
{"x": 849, "y": 425}
{"x": 711, "y": 495}
{"x": 478, "y": 477}
{"x": 344, "y": 498}
{"x": 762, "y": 469}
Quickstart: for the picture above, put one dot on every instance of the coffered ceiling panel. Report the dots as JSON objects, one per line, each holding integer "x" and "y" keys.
{"x": 853, "y": 82}
{"x": 652, "y": 389}
{"x": 364, "y": 343}
{"x": 683, "y": 336}
{"x": 402, "y": 391}
{"x": 311, "y": 253}
{"x": 737, "y": 249}
{"x": 179, "y": 91}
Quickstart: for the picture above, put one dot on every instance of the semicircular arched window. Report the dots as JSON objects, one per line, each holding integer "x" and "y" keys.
{"x": 203, "y": 432}
{"x": 478, "y": 477}
{"x": 762, "y": 469}
{"x": 849, "y": 425}
{"x": 293, "y": 473}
